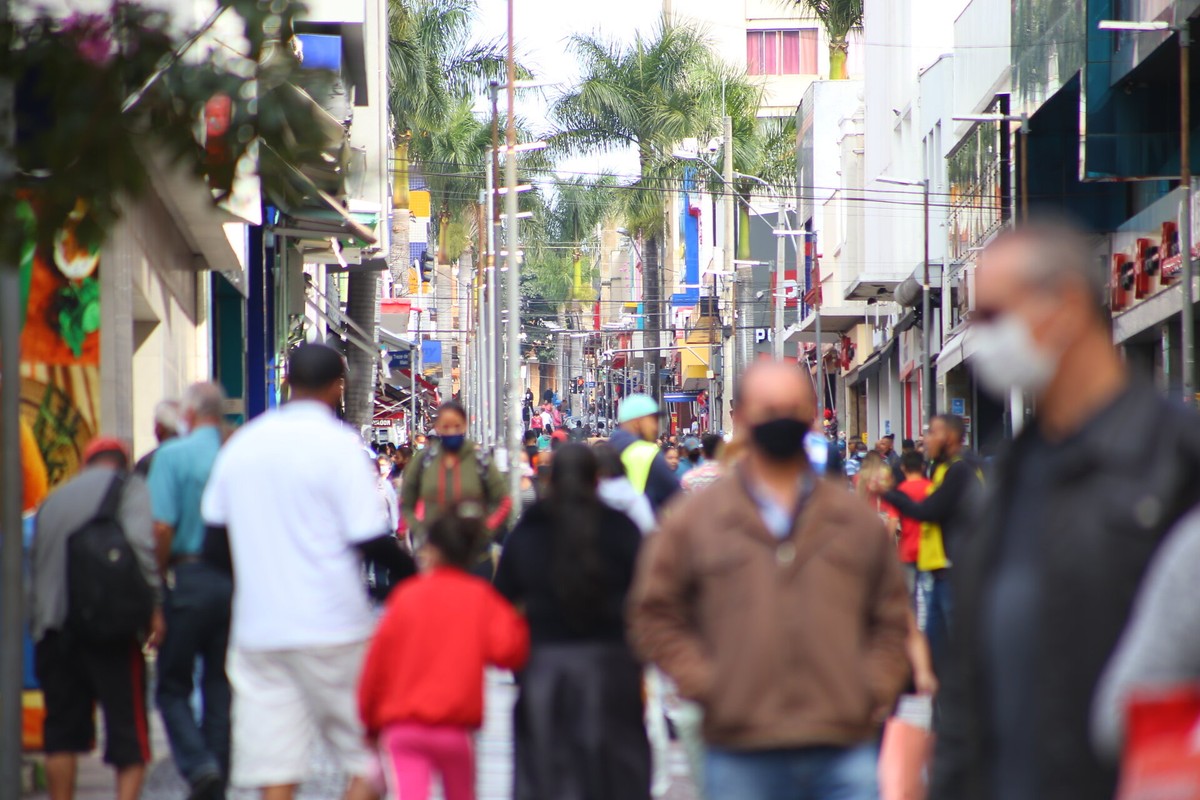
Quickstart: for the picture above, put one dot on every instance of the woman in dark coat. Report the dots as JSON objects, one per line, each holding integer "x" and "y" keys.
{"x": 579, "y": 729}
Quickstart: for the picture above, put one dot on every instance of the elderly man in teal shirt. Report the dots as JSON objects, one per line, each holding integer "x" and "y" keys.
{"x": 198, "y": 599}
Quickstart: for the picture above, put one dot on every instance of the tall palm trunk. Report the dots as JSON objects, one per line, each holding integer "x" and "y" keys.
{"x": 652, "y": 309}
{"x": 838, "y": 48}
{"x": 362, "y": 306}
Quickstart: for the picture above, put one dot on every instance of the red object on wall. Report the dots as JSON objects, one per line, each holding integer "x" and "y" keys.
{"x": 1170, "y": 264}
{"x": 1141, "y": 277}
{"x": 1120, "y": 293}
{"x": 847, "y": 352}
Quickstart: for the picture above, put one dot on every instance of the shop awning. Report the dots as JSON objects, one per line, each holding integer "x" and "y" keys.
{"x": 870, "y": 368}
{"x": 402, "y": 378}
{"x": 954, "y": 351}
{"x": 681, "y": 397}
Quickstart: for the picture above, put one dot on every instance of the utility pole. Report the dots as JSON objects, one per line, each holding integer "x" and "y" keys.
{"x": 926, "y": 317}
{"x": 11, "y": 529}
{"x": 1187, "y": 320}
{"x": 514, "y": 288}
{"x": 731, "y": 364}
{"x": 781, "y": 223}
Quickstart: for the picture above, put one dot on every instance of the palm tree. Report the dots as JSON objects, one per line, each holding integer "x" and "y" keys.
{"x": 432, "y": 66}
{"x": 642, "y": 95}
{"x": 838, "y": 18}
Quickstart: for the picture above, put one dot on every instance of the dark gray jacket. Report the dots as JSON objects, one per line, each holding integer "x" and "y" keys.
{"x": 1121, "y": 484}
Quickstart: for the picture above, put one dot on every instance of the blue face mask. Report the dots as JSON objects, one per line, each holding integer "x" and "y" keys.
{"x": 454, "y": 443}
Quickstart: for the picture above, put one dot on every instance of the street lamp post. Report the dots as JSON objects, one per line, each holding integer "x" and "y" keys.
{"x": 1187, "y": 319}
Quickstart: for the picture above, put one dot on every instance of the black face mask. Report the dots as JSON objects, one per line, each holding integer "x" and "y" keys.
{"x": 780, "y": 439}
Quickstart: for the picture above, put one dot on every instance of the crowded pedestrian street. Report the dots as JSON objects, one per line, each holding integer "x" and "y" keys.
{"x": 543, "y": 400}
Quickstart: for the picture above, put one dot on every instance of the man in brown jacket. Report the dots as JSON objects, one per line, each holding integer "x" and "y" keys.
{"x": 775, "y": 600}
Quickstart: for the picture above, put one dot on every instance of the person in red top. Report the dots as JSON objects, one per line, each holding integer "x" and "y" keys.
{"x": 421, "y": 691}
{"x": 916, "y": 486}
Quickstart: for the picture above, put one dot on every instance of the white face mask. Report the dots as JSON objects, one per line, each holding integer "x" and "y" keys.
{"x": 1007, "y": 357}
{"x": 182, "y": 428}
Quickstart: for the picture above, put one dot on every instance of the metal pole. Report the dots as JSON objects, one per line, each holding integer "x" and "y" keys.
{"x": 781, "y": 222}
{"x": 1024, "y": 141}
{"x": 731, "y": 364}
{"x": 1187, "y": 318}
{"x": 927, "y": 317}
{"x": 11, "y": 605}
{"x": 820, "y": 353}
{"x": 489, "y": 326}
{"x": 514, "y": 288}
{"x": 418, "y": 370}
{"x": 11, "y": 490}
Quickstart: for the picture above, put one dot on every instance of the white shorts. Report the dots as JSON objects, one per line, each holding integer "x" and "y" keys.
{"x": 283, "y": 700}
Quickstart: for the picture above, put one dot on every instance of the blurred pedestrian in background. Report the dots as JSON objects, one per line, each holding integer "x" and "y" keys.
{"x": 1081, "y": 500}
{"x": 198, "y": 598}
{"x": 79, "y": 665}
{"x": 874, "y": 479}
{"x": 774, "y": 600}
{"x": 1161, "y": 647}
{"x": 166, "y": 427}
{"x": 691, "y": 451}
{"x": 710, "y": 469}
{"x": 421, "y": 692}
{"x": 298, "y": 530}
{"x": 645, "y": 465}
{"x": 578, "y": 722}
{"x": 916, "y": 487}
{"x": 950, "y": 509}
{"x": 454, "y": 475}
{"x": 671, "y": 454}
{"x": 387, "y": 492}
{"x": 615, "y": 490}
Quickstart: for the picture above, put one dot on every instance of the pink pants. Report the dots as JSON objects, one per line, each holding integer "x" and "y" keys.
{"x": 412, "y": 752}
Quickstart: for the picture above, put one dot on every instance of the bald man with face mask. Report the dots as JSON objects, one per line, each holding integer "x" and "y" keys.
{"x": 775, "y": 600}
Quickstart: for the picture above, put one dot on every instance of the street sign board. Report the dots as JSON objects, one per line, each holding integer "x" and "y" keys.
{"x": 958, "y": 406}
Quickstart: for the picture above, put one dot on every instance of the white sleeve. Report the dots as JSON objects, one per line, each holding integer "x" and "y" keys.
{"x": 356, "y": 497}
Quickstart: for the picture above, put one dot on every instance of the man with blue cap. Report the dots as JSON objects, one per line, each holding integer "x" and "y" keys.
{"x": 647, "y": 470}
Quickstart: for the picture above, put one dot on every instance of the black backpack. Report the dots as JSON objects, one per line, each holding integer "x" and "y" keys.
{"x": 108, "y": 599}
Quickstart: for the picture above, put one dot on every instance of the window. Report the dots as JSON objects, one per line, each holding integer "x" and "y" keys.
{"x": 782, "y": 52}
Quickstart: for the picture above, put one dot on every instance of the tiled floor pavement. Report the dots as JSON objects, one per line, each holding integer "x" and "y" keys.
{"x": 326, "y": 783}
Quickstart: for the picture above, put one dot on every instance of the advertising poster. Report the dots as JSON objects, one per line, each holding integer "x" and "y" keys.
{"x": 60, "y": 354}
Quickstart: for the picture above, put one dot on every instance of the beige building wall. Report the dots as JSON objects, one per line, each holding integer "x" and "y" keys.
{"x": 154, "y": 335}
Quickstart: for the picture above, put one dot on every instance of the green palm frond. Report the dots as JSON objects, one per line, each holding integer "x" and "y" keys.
{"x": 838, "y": 17}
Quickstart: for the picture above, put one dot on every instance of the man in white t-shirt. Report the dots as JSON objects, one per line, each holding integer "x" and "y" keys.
{"x": 298, "y": 531}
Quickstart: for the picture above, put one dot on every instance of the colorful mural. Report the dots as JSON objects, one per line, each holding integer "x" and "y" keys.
{"x": 60, "y": 354}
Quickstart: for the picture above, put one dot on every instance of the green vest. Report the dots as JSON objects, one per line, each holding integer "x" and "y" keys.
{"x": 637, "y": 459}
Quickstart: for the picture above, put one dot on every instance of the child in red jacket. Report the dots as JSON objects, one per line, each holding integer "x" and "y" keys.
{"x": 421, "y": 691}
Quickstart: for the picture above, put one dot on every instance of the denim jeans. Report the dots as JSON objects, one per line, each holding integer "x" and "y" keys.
{"x": 197, "y": 612}
{"x": 805, "y": 773}
{"x": 934, "y": 608}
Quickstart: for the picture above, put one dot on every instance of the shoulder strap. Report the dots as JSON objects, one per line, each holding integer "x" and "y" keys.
{"x": 112, "y": 498}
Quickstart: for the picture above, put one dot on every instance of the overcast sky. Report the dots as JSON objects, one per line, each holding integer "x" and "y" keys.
{"x": 542, "y": 28}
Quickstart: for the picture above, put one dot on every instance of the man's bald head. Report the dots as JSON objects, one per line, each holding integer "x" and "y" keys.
{"x": 772, "y": 389}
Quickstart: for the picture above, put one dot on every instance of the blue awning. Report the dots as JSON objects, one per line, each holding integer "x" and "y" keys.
{"x": 681, "y": 397}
